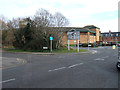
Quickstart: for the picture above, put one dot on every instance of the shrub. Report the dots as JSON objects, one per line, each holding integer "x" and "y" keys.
{"x": 85, "y": 45}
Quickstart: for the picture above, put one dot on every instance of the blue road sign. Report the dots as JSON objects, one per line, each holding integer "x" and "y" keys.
{"x": 51, "y": 38}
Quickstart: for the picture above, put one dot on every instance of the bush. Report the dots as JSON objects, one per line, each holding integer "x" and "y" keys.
{"x": 103, "y": 44}
{"x": 108, "y": 45}
{"x": 85, "y": 45}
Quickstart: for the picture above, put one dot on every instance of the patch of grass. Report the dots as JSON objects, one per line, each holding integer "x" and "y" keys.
{"x": 72, "y": 45}
{"x": 15, "y": 50}
{"x": 61, "y": 50}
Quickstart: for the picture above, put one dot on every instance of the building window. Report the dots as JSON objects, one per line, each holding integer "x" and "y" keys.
{"x": 111, "y": 35}
{"x": 111, "y": 38}
{"x": 117, "y": 35}
{"x": 106, "y": 35}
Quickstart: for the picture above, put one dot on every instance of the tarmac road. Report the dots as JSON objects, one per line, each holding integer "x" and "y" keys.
{"x": 68, "y": 70}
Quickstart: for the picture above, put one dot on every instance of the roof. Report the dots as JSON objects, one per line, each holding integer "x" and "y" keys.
{"x": 66, "y": 29}
{"x": 84, "y": 30}
{"x": 109, "y": 32}
{"x": 91, "y": 27}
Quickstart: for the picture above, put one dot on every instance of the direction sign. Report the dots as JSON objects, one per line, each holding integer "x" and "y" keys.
{"x": 73, "y": 35}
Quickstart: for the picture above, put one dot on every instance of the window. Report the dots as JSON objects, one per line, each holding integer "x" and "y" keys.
{"x": 111, "y": 38}
{"x": 106, "y": 35}
{"x": 92, "y": 34}
{"x": 111, "y": 35}
{"x": 117, "y": 35}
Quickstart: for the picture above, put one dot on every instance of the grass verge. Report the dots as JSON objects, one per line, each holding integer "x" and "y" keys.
{"x": 62, "y": 50}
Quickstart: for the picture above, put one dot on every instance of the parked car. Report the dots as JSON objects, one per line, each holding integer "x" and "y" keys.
{"x": 118, "y": 63}
{"x": 118, "y": 45}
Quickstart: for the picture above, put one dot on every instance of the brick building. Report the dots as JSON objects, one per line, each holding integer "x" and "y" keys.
{"x": 88, "y": 34}
{"x": 110, "y": 37}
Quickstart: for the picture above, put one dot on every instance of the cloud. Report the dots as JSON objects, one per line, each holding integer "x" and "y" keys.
{"x": 102, "y": 13}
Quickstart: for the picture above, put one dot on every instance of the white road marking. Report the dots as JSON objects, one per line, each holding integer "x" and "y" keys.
{"x": 75, "y": 65}
{"x": 8, "y": 80}
{"x": 98, "y": 59}
{"x": 56, "y": 69}
{"x": 94, "y": 52}
{"x": 61, "y": 57}
{"x": 105, "y": 57}
{"x": 65, "y": 67}
{"x": 18, "y": 59}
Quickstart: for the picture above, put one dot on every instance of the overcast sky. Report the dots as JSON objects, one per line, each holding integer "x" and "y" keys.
{"x": 101, "y": 13}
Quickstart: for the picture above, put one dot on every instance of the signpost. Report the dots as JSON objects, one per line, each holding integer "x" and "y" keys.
{"x": 68, "y": 45}
{"x": 78, "y": 46}
{"x": 51, "y": 38}
{"x": 73, "y": 35}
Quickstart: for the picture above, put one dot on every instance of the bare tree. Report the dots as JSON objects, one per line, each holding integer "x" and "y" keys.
{"x": 43, "y": 18}
{"x": 3, "y": 22}
{"x": 9, "y": 28}
{"x": 60, "y": 20}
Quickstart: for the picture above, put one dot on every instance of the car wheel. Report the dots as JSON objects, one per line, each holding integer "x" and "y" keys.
{"x": 118, "y": 66}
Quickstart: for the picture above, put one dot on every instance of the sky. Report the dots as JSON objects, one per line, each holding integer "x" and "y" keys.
{"x": 101, "y": 13}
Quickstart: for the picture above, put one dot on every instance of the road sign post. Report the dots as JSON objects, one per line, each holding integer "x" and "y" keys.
{"x": 73, "y": 35}
{"x": 78, "y": 46}
{"x": 68, "y": 45}
{"x": 51, "y": 45}
{"x": 51, "y": 38}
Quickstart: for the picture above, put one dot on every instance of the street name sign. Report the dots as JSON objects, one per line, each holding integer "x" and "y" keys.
{"x": 45, "y": 47}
